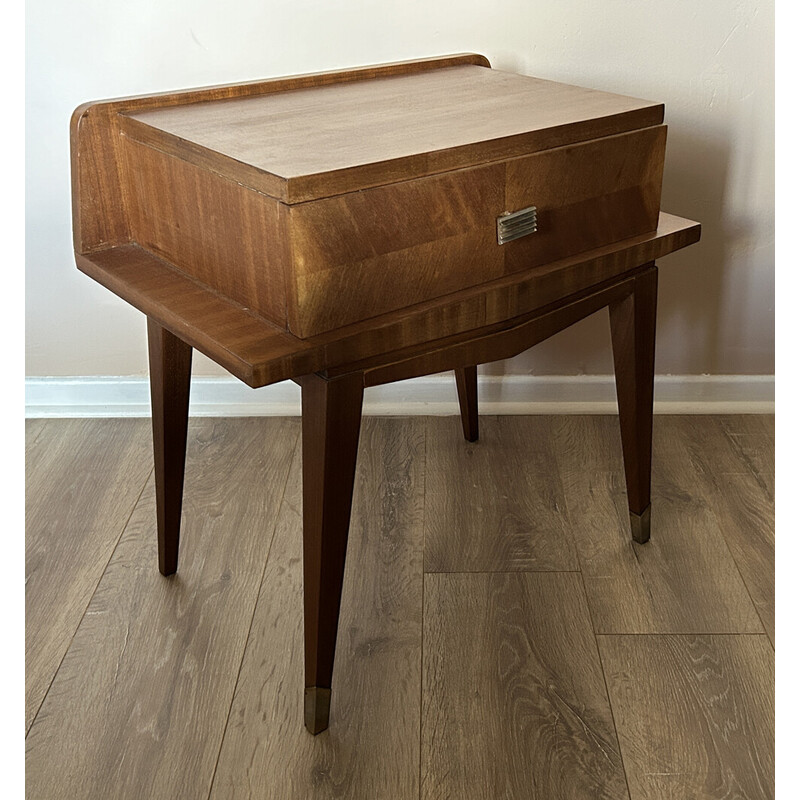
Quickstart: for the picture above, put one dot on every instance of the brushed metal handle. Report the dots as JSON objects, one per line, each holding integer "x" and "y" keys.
{"x": 516, "y": 224}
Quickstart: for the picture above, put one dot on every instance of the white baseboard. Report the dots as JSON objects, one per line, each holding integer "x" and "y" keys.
{"x": 433, "y": 395}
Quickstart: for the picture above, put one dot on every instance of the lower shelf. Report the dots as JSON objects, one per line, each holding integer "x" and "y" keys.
{"x": 259, "y": 353}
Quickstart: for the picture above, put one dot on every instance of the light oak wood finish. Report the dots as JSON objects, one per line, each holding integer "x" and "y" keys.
{"x": 83, "y": 478}
{"x": 754, "y": 441}
{"x": 737, "y": 474}
{"x": 513, "y": 700}
{"x": 694, "y": 714}
{"x": 496, "y": 505}
{"x": 140, "y": 703}
{"x": 144, "y": 703}
{"x": 684, "y": 580}
{"x": 372, "y": 748}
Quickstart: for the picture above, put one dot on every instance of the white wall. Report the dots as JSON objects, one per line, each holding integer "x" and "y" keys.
{"x": 711, "y": 63}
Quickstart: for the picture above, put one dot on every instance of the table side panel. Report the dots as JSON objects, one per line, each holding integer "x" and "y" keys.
{"x": 224, "y": 235}
{"x": 99, "y": 217}
{"x": 364, "y": 254}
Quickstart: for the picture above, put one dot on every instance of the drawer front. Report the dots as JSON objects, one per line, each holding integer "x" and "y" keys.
{"x": 586, "y": 195}
{"x": 367, "y": 253}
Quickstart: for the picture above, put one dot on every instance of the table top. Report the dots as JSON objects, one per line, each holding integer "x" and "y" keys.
{"x": 469, "y": 112}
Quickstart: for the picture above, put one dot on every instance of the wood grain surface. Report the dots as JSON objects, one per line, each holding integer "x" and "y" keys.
{"x": 97, "y": 163}
{"x": 170, "y": 362}
{"x": 139, "y": 705}
{"x": 229, "y": 238}
{"x": 83, "y": 478}
{"x": 324, "y": 201}
{"x": 259, "y": 352}
{"x": 694, "y": 714}
{"x": 371, "y": 749}
{"x": 437, "y": 235}
{"x": 684, "y": 580}
{"x": 505, "y": 509}
{"x": 470, "y": 684}
{"x": 737, "y": 473}
{"x": 513, "y": 699}
{"x": 349, "y": 136}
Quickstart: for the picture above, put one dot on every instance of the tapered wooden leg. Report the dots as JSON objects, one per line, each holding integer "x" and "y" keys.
{"x": 331, "y": 423}
{"x": 467, "y": 386}
{"x": 170, "y": 372}
{"x": 633, "y": 334}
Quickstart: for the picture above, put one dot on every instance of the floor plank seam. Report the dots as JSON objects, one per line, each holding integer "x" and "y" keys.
{"x": 91, "y": 597}
{"x": 743, "y": 457}
{"x": 252, "y": 618}
{"x": 659, "y": 680}
{"x": 422, "y": 610}
{"x": 603, "y": 673}
{"x": 685, "y": 633}
{"x": 753, "y": 472}
{"x": 754, "y": 605}
{"x": 501, "y": 571}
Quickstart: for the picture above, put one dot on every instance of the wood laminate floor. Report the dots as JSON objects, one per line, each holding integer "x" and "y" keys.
{"x": 501, "y": 635}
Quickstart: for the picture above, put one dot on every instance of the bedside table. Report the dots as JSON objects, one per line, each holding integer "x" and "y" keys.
{"x": 354, "y": 228}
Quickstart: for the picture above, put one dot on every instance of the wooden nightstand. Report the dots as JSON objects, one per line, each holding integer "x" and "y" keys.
{"x": 350, "y": 229}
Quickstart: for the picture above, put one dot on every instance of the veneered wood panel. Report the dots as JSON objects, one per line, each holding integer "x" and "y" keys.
{"x": 260, "y": 353}
{"x": 342, "y": 138}
{"x": 330, "y": 300}
{"x": 367, "y": 253}
{"x": 694, "y": 715}
{"x": 586, "y": 195}
{"x": 98, "y": 202}
{"x": 99, "y": 215}
{"x": 225, "y": 235}
{"x": 352, "y": 228}
{"x": 514, "y": 705}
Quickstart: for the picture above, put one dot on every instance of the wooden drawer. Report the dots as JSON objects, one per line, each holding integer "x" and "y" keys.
{"x": 363, "y": 254}
{"x": 360, "y": 219}
{"x": 320, "y": 265}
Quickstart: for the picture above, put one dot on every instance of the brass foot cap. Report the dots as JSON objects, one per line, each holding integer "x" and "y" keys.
{"x": 318, "y": 707}
{"x": 640, "y": 526}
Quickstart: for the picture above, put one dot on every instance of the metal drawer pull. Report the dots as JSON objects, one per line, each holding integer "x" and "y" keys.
{"x": 516, "y": 224}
